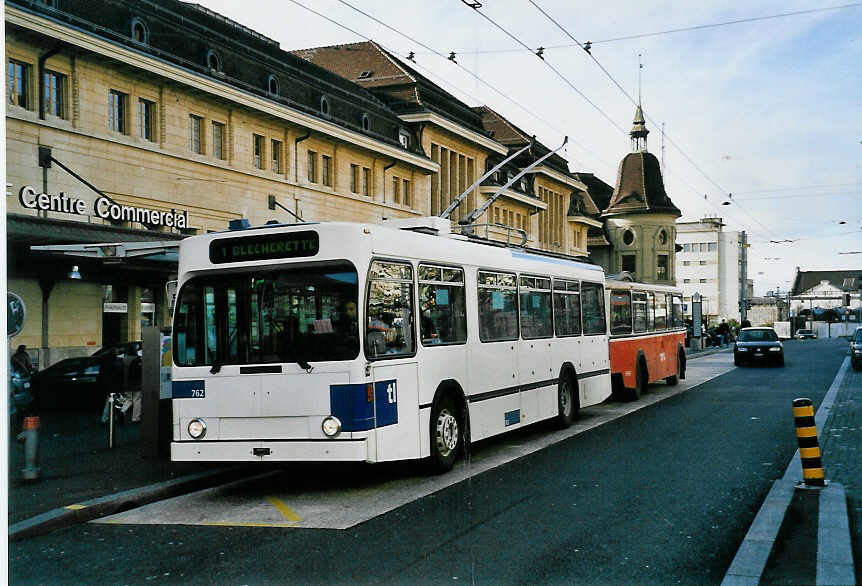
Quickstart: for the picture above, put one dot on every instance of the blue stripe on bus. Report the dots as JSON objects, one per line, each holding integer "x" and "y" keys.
{"x": 351, "y": 405}
{"x": 556, "y": 261}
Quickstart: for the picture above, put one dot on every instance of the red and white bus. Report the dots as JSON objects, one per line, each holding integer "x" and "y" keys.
{"x": 647, "y": 336}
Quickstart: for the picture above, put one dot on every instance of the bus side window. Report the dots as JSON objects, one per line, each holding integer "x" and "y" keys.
{"x": 498, "y": 307}
{"x": 639, "y": 311}
{"x": 650, "y": 311}
{"x": 593, "y": 308}
{"x": 661, "y": 320}
{"x": 567, "y": 308}
{"x": 535, "y": 298}
{"x": 390, "y": 310}
{"x": 621, "y": 312}
{"x": 442, "y": 306}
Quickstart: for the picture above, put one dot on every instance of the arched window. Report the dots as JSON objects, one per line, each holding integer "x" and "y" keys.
{"x": 140, "y": 33}
{"x": 324, "y": 106}
{"x": 213, "y": 60}
{"x": 662, "y": 237}
{"x": 366, "y": 122}
{"x": 272, "y": 85}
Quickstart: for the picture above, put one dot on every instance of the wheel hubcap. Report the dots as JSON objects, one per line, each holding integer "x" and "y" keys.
{"x": 447, "y": 433}
{"x": 566, "y": 399}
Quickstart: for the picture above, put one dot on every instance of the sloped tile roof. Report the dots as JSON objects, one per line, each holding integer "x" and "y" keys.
{"x": 847, "y": 280}
{"x": 640, "y": 188}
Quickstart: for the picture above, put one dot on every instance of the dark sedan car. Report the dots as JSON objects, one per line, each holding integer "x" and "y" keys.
{"x": 758, "y": 345}
{"x": 82, "y": 382}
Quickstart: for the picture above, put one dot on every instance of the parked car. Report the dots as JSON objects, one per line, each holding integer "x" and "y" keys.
{"x": 856, "y": 349}
{"x": 803, "y": 334}
{"x": 758, "y": 345}
{"x": 82, "y": 383}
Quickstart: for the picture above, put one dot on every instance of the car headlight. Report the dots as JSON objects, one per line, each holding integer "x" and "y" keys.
{"x": 197, "y": 428}
{"x": 775, "y": 349}
{"x": 741, "y": 349}
{"x": 331, "y": 426}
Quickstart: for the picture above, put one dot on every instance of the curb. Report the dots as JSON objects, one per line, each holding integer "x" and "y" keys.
{"x": 128, "y": 499}
{"x": 709, "y": 352}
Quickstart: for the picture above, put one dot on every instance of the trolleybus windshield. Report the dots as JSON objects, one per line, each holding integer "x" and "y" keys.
{"x": 294, "y": 313}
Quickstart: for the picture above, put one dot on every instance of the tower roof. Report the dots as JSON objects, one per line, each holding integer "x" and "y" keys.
{"x": 640, "y": 188}
{"x": 639, "y": 129}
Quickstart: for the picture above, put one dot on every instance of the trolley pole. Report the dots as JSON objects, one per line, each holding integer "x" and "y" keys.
{"x": 809, "y": 448}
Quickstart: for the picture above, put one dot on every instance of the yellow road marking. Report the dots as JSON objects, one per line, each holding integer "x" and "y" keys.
{"x": 237, "y": 524}
{"x": 283, "y": 509}
{"x": 75, "y": 507}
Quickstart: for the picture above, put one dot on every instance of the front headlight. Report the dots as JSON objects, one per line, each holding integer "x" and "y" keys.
{"x": 775, "y": 349}
{"x": 331, "y": 426}
{"x": 197, "y": 428}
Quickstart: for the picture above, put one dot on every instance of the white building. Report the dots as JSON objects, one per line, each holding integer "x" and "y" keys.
{"x": 710, "y": 264}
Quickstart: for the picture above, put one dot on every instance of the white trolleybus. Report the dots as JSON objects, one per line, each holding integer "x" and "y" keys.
{"x": 364, "y": 342}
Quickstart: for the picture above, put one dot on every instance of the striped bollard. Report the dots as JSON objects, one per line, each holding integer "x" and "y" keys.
{"x": 809, "y": 448}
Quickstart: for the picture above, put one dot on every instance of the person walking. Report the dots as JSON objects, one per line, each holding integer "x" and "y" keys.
{"x": 21, "y": 360}
{"x": 724, "y": 332}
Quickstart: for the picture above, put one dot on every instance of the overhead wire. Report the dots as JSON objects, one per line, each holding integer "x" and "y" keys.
{"x": 676, "y": 30}
{"x": 626, "y": 94}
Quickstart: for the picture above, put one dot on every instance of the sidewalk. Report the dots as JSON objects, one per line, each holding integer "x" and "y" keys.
{"x": 78, "y": 470}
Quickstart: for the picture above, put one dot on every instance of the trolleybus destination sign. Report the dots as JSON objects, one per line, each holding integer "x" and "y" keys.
{"x": 264, "y": 247}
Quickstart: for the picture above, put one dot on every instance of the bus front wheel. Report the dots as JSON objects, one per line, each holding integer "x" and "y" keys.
{"x": 447, "y": 434}
{"x": 567, "y": 401}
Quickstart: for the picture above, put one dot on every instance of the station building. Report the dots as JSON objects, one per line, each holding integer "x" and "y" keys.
{"x": 133, "y": 124}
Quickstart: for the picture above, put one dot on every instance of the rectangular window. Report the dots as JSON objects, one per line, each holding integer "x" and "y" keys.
{"x": 639, "y": 312}
{"x": 311, "y": 165}
{"x": 686, "y": 263}
{"x": 366, "y": 181}
{"x": 406, "y": 191}
{"x": 650, "y": 309}
{"x": 593, "y": 308}
{"x": 686, "y": 247}
{"x": 702, "y": 263}
{"x": 676, "y": 312}
{"x": 195, "y": 134}
{"x": 276, "y": 156}
{"x": 117, "y": 106}
{"x": 535, "y": 298}
{"x": 218, "y": 140}
{"x": 354, "y": 178}
{"x": 55, "y": 89}
{"x": 258, "y": 150}
{"x": 567, "y": 308}
{"x": 146, "y": 119}
{"x": 389, "y": 329}
{"x": 18, "y": 80}
{"x": 442, "y": 305}
{"x": 629, "y": 263}
{"x": 686, "y": 280}
{"x": 661, "y": 311}
{"x": 326, "y": 170}
{"x": 621, "y": 312}
{"x": 712, "y": 246}
{"x": 703, "y": 246}
{"x": 396, "y": 190}
{"x": 498, "y": 307}
{"x": 661, "y": 269}
{"x": 703, "y": 280}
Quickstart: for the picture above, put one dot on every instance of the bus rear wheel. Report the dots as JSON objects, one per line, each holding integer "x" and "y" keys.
{"x": 447, "y": 433}
{"x": 673, "y": 379}
{"x": 567, "y": 401}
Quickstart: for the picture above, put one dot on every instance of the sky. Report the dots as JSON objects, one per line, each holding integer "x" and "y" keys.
{"x": 763, "y": 115}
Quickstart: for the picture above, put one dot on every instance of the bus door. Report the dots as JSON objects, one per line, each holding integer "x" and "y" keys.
{"x": 396, "y": 410}
{"x": 534, "y": 349}
{"x": 594, "y": 383}
{"x": 390, "y": 345}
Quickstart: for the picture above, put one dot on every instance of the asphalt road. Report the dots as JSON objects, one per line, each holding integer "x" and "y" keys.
{"x": 663, "y": 495}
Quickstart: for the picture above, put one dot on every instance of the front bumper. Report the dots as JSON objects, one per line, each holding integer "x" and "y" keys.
{"x": 278, "y": 451}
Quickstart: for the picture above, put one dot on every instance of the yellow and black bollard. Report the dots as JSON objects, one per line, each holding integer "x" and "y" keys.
{"x": 809, "y": 448}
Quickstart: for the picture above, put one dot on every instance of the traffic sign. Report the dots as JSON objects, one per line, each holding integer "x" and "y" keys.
{"x": 16, "y": 314}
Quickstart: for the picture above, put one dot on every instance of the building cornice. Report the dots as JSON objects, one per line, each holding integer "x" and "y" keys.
{"x": 214, "y": 87}
{"x": 558, "y": 177}
{"x": 584, "y": 220}
{"x": 457, "y": 130}
{"x": 515, "y": 196}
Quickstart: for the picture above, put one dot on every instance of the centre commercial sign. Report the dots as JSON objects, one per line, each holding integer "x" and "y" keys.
{"x": 102, "y": 207}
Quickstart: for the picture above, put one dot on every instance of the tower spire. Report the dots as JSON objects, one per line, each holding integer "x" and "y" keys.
{"x": 639, "y": 130}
